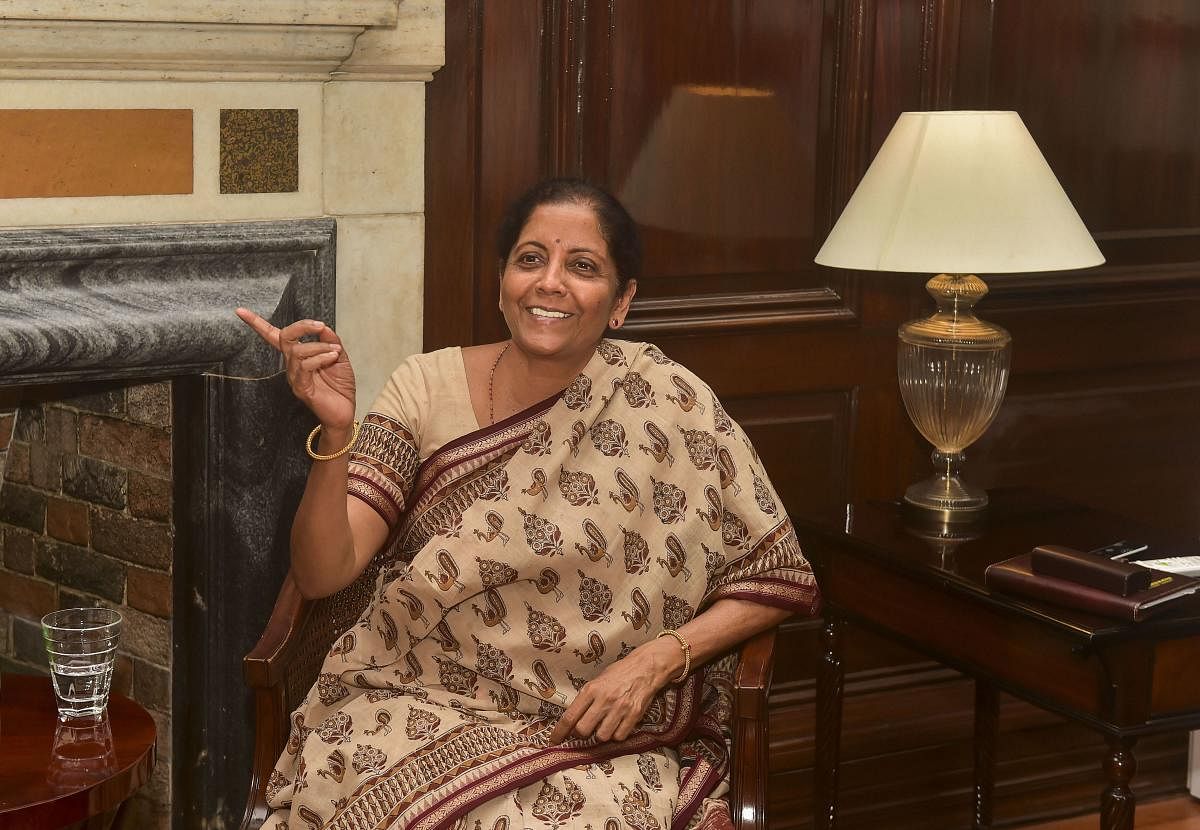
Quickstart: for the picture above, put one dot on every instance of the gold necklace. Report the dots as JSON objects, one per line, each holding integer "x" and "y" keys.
{"x": 492, "y": 385}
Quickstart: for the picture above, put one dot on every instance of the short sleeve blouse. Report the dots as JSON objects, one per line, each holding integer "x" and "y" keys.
{"x": 424, "y": 405}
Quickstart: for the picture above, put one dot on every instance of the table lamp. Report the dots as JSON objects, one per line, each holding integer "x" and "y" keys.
{"x": 957, "y": 194}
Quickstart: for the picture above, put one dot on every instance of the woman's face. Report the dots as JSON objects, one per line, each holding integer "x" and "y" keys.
{"x": 558, "y": 291}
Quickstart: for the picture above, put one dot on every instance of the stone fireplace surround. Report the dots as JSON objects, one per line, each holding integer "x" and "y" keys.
{"x": 137, "y": 303}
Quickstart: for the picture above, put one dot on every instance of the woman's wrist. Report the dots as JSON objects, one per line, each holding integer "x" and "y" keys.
{"x": 327, "y": 441}
{"x": 333, "y": 438}
{"x": 666, "y": 660}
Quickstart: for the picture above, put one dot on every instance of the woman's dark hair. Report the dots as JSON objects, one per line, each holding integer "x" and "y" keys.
{"x": 616, "y": 225}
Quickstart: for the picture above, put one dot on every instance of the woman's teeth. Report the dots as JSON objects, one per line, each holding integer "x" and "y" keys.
{"x": 544, "y": 312}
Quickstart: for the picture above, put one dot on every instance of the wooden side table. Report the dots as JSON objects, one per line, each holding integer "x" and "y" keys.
{"x": 880, "y": 572}
{"x": 56, "y": 775}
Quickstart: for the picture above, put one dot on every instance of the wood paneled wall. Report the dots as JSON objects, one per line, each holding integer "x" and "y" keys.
{"x": 736, "y": 130}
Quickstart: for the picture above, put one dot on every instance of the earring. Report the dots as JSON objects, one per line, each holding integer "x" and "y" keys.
{"x": 616, "y": 324}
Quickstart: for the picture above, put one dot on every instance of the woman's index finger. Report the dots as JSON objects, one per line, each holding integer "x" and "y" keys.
{"x": 260, "y": 326}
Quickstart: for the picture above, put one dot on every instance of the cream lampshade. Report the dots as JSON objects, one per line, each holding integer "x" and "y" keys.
{"x": 957, "y": 194}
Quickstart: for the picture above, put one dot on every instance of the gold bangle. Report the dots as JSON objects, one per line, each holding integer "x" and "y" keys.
{"x": 308, "y": 445}
{"x": 687, "y": 652}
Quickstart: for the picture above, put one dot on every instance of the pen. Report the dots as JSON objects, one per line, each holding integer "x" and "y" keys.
{"x": 1119, "y": 550}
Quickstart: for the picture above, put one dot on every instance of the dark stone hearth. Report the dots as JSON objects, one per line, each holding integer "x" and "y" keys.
{"x": 45, "y": 468}
{"x": 16, "y": 465}
{"x": 131, "y": 540}
{"x": 131, "y": 445}
{"x": 31, "y": 426}
{"x": 28, "y": 644}
{"x": 150, "y": 404}
{"x": 22, "y": 507}
{"x": 18, "y": 550}
{"x": 94, "y": 481}
{"x": 149, "y": 497}
{"x": 71, "y": 599}
{"x": 106, "y": 402}
{"x": 82, "y": 568}
{"x": 96, "y": 305}
{"x": 152, "y": 685}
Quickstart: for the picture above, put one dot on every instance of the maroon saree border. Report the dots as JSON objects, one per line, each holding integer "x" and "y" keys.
{"x": 541, "y": 763}
{"x": 434, "y": 467}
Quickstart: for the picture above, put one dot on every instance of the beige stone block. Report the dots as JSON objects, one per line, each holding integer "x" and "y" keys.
{"x": 69, "y": 50}
{"x": 205, "y": 100}
{"x": 416, "y": 41}
{"x": 307, "y": 12}
{"x": 374, "y": 147}
{"x": 380, "y": 263}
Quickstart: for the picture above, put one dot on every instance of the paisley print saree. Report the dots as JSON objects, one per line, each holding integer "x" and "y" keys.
{"x": 523, "y": 559}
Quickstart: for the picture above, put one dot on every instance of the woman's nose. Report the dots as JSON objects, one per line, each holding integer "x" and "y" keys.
{"x": 552, "y": 277}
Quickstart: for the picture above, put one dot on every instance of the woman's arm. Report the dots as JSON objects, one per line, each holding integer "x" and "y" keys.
{"x": 334, "y": 535}
{"x": 611, "y": 705}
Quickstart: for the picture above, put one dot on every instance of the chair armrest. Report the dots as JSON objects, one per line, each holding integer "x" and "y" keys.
{"x": 264, "y": 666}
{"x": 265, "y": 670}
{"x": 751, "y": 737}
{"x": 284, "y": 664}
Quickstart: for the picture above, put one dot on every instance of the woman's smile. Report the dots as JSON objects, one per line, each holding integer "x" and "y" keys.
{"x": 548, "y": 314}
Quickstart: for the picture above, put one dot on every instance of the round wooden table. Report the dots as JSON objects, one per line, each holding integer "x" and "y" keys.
{"x": 55, "y": 775}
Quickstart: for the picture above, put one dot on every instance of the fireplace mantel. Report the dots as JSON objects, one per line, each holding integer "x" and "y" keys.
{"x": 191, "y": 40}
{"x": 138, "y": 303}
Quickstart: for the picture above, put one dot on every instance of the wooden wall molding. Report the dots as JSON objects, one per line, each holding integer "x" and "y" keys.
{"x": 1098, "y": 287}
{"x": 939, "y": 53}
{"x": 715, "y": 313}
{"x": 851, "y": 103}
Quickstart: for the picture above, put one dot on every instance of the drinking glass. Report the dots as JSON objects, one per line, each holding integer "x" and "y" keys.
{"x": 82, "y": 646}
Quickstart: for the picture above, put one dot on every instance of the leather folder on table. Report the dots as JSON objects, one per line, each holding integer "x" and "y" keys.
{"x": 1074, "y": 579}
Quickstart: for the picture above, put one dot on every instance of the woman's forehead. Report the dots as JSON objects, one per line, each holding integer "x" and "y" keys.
{"x": 569, "y": 224}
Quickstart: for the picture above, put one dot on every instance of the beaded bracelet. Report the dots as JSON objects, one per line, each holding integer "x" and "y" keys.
{"x": 687, "y": 652}
{"x": 308, "y": 445}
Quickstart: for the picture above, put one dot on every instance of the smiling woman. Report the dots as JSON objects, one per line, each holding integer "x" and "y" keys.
{"x": 551, "y": 633}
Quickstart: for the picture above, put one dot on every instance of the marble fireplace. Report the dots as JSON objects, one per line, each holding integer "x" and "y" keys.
{"x": 87, "y": 312}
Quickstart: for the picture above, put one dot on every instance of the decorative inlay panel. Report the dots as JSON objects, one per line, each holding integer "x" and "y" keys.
{"x": 260, "y": 151}
{"x": 101, "y": 152}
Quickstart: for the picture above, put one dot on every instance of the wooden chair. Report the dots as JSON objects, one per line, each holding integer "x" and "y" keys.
{"x": 285, "y": 662}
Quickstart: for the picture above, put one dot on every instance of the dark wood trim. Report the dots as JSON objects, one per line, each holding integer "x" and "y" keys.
{"x": 600, "y": 18}
{"x": 941, "y": 21}
{"x": 452, "y": 171}
{"x": 714, "y": 313}
{"x": 565, "y": 69}
{"x": 852, "y": 98}
{"x": 973, "y": 75}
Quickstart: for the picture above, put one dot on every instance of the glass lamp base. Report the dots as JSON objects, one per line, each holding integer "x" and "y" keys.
{"x": 946, "y": 498}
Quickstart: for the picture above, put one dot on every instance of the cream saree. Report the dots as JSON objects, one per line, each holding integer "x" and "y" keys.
{"x": 523, "y": 559}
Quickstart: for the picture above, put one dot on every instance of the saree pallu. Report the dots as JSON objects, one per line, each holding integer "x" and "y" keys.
{"x": 524, "y": 558}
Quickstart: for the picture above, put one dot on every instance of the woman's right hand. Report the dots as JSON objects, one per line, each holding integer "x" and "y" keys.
{"x": 318, "y": 371}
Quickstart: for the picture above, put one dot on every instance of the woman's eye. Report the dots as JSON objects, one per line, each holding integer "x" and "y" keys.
{"x": 528, "y": 259}
{"x": 584, "y": 265}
